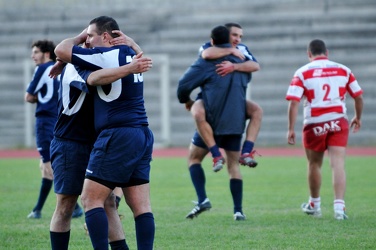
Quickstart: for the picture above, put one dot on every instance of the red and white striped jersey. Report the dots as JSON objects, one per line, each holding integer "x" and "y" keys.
{"x": 324, "y": 85}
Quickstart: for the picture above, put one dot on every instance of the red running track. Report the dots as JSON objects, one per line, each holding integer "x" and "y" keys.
{"x": 183, "y": 152}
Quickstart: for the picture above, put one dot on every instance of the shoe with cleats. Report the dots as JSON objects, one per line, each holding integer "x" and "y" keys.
{"x": 239, "y": 216}
{"x": 309, "y": 209}
{"x": 35, "y": 215}
{"x": 340, "y": 215}
{"x": 247, "y": 159}
{"x": 218, "y": 163}
{"x": 199, "y": 208}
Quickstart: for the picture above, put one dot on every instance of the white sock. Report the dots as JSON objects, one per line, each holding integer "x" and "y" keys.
{"x": 339, "y": 205}
{"x": 316, "y": 202}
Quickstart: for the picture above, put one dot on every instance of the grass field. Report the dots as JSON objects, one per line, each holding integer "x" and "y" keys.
{"x": 273, "y": 193}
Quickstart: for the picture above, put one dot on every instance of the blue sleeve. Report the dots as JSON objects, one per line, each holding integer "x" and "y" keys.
{"x": 85, "y": 58}
{"x": 248, "y": 55}
{"x": 204, "y": 47}
{"x": 38, "y": 73}
{"x": 193, "y": 78}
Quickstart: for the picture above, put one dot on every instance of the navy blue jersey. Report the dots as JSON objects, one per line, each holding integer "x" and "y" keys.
{"x": 76, "y": 112}
{"x": 121, "y": 103}
{"x": 242, "y": 47}
{"x": 224, "y": 97}
{"x": 46, "y": 89}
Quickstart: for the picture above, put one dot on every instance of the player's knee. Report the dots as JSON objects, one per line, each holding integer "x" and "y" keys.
{"x": 198, "y": 111}
{"x": 110, "y": 202}
{"x": 255, "y": 112}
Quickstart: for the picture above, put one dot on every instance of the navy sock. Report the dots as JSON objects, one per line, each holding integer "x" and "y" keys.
{"x": 43, "y": 194}
{"x": 59, "y": 241}
{"x": 145, "y": 230}
{"x": 247, "y": 147}
{"x": 77, "y": 206}
{"x": 215, "y": 151}
{"x": 97, "y": 224}
{"x": 236, "y": 188}
{"x": 119, "y": 245}
{"x": 198, "y": 180}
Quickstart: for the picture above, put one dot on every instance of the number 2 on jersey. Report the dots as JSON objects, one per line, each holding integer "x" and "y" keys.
{"x": 326, "y": 88}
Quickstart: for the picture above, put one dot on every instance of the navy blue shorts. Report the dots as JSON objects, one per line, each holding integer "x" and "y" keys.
{"x": 227, "y": 142}
{"x": 121, "y": 157}
{"x": 69, "y": 161}
{"x": 44, "y": 127}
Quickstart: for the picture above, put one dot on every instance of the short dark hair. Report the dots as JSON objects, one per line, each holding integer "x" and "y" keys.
{"x": 230, "y": 25}
{"x": 105, "y": 24}
{"x": 220, "y": 35}
{"x": 317, "y": 47}
{"x": 45, "y": 46}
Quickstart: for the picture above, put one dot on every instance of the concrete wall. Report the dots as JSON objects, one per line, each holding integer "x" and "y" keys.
{"x": 277, "y": 32}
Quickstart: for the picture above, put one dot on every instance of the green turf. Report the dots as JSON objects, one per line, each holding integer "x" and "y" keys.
{"x": 273, "y": 193}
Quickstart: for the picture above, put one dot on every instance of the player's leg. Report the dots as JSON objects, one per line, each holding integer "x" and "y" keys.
{"x": 61, "y": 221}
{"x": 138, "y": 199}
{"x": 44, "y": 134}
{"x": 315, "y": 146}
{"x": 236, "y": 183}
{"x": 45, "y": 188}
{"x": 254, "y": 111}
{"x": 93, "y": 198}
{"x": 116, "y": 236}
{"x": 337, "y": 163}
{"x": 69, "y": 160}
{"x": 337, "y": 141}
{"x": 315, "y": 159}
{"x": 137, "y": 189}
{"x": 206, "y": 133}
{"x": 197, "y": 152}
{"x": 118, "y": 192}
{"x": 231, "y": 144}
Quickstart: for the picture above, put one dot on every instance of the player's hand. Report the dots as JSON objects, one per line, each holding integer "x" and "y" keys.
{"x": 355, "y": 124}
{"x": 122, "y": 39}
{"x": 57, "y": 69}
{"x": 238, "y": 53}
{"x": 140, "y": 64}
{"x": 225, "y": 68}
{"x": 188, "y": 105}
{"x": 291, "y": 137}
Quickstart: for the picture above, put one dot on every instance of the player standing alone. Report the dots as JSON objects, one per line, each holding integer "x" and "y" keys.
{"x": 324, "y": 84}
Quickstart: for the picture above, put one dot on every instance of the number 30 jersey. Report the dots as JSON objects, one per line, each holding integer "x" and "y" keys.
{"x": 121, "y": 103}
{"x": 323, "y": 84}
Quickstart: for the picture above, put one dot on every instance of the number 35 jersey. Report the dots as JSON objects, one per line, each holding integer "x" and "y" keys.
{"x": 323, "y": 84}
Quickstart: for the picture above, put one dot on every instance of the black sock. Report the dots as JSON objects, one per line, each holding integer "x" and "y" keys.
{"x": 198, "y": 180}
{"x": 145, "y": 230}
{"x": 119, "y": 245}
{"x": 236, "y": 188}
{"x": 43, "y": 194}
{"x": 59, "y": 241}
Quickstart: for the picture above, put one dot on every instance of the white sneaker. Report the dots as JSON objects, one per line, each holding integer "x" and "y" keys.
{"x": 340, "y": 215}
{"x": 309, "y": 209}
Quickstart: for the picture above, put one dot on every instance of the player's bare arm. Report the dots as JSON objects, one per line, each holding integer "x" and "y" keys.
{"x": 123, "y": 39}
{"x": 64, "y": 49}
{"x": 356, "y": 122}
{"x": 227, "y": 67}
{"x": 292, "y": 115}
{"x": 138, "y": 65}
{"x": 57, "y": 68}
{"x": 30, "y": 98}
{"x": 215, "y": 53}
{"x": 188, "y": 105}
